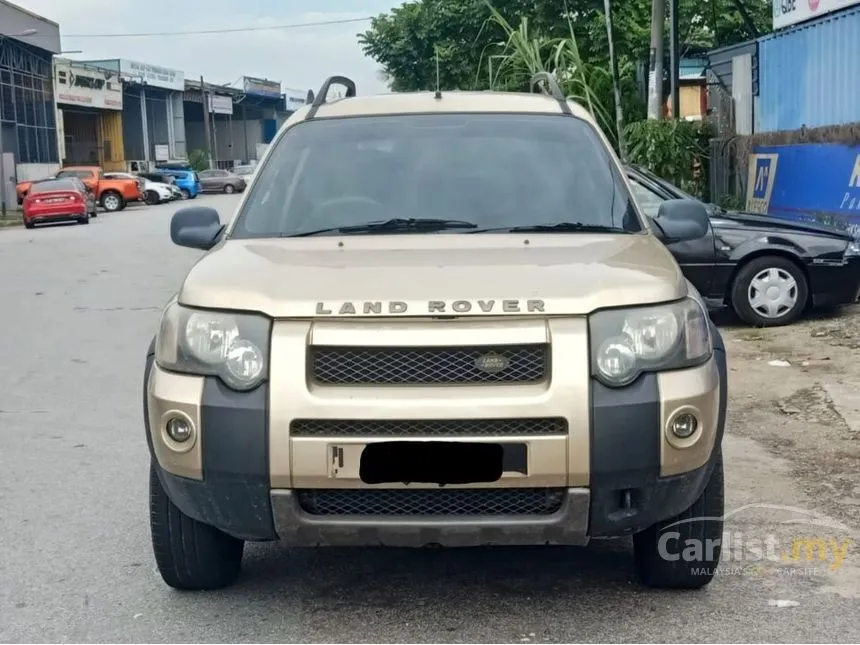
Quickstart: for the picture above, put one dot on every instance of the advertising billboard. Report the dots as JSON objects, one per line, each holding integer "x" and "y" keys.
{"x": 261, "y": 87}
{"x": 791, "y": 12}
{"x": 817, "y": 182}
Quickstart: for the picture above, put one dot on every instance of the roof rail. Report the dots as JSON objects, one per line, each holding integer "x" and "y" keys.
{"x": 555, "y": 91}
{"x": 320, "y": 98}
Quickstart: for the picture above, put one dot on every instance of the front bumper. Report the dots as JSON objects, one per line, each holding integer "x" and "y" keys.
{"x": 835, "y": 285}
{"x": 629, "y": 478}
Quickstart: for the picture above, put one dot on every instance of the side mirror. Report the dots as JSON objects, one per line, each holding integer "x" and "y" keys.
{"x": 197, "y": 227}
{"x": 681, "y": 220}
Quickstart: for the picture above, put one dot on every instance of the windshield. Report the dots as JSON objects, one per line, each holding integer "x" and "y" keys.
{"x": 493, "y": 170}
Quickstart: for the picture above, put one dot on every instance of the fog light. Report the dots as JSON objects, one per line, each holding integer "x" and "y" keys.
{"x": 684, "y": 425}
{"x": 179, "y": 429}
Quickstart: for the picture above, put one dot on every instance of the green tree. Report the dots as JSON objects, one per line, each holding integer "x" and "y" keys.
{"x": 405, "y": 40}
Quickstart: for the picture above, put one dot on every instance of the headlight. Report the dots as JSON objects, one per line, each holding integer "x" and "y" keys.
{"x": 627, "y": 342}
{"x": 231, "y": 346}
{"x": 853, "y": 249}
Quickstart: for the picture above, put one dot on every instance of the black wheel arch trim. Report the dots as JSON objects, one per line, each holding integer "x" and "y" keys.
{"x": 628, "y": 459}
{"x": 234, "y": 495}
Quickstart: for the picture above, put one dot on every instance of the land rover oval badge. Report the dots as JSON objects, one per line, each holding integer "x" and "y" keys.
{"x": 491, "y": 363}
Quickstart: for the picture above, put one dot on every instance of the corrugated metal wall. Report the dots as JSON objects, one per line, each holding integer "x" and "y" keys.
{"x": 720, "y": 61}
{"x": 157, "y": 120}
{"x": 113, "y": 147}
{"x": 809, "y": 75}
{"x": 244, "y": 130}
{"x": 81, "y": 133}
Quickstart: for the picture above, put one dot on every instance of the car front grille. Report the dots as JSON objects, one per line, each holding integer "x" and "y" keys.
{"x": 429, "y": 365}
{"x": 457, "y": 502}
{"x": 428, "y": 427}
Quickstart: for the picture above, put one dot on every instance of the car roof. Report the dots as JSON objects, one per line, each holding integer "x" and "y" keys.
{"x": 60, "y": 182}
{"x": 454, "y": 101}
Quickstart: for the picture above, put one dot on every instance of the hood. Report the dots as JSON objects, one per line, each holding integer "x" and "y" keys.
{"x": 741, "y": 219}
{"x": 419, "y": 275}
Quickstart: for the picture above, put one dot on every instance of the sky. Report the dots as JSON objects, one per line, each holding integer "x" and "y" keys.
{"x": 299, "y": 59}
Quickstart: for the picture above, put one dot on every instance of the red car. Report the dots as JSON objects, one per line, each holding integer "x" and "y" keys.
{"x": 57, "y": 200}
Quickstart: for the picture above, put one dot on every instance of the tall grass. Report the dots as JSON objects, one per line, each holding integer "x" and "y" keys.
{"x": 513, "y": 62}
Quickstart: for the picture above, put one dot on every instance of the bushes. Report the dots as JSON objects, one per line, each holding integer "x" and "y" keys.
{"x": 674, "y": 149}
{"x": 199, "y": 160}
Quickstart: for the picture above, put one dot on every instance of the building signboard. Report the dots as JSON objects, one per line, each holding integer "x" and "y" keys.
{"x": 169, "y": 79}
{"x": 261, "y": 87}
{"x": 791, "y": 12}
{"x": 295, "y": 99}
{"x": 87, "y": 86}
{"x": 220, "y": 104}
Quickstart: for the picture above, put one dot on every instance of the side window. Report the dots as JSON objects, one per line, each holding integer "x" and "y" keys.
{"x": 647, "y": 199}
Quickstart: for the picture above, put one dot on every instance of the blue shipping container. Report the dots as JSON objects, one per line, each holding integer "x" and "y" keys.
{"x": 809, "y": 75}
{"x": 796, "y": 182}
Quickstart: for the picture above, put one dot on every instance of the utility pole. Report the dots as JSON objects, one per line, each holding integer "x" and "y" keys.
{"x": 144, "y": 124}
{"x": 613, "y": 61}
{"x": 674, "y": 63}
{"x": 655, "y": 67}
{"x": 2, "y": 166}
{"x": 205, "y": 97}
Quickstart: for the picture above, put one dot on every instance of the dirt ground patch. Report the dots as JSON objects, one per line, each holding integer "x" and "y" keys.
{"x": 796, "y": 391}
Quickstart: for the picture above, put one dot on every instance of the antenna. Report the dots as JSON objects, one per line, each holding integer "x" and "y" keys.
{"x": 438, "y": 89}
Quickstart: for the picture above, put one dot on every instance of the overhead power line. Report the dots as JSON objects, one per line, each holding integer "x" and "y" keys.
{"x": 233, "y": 30}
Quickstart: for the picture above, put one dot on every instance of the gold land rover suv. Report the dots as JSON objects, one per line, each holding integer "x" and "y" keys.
{"x": 436, "y": 319}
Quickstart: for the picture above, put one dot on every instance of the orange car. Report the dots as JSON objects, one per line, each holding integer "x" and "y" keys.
{"x": 111, "y": 194}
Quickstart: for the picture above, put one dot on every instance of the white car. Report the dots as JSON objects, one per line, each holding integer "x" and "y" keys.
{"x": 245, "y": 171}
{"x": 153, "y": 192}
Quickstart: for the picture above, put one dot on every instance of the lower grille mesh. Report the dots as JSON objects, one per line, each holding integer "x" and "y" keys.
{"x": 459, "y": 502}
{"x": 427, "y": 427}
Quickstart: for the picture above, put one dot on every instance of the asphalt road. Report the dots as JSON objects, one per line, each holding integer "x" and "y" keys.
{"x": 79, "y": 306}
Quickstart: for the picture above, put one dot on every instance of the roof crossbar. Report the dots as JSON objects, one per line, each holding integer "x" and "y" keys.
{"x": 320, "y": 98}
{"x": 548, "y": 79}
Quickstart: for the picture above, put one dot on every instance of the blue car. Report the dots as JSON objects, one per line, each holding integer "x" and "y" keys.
{"x": 187, "y": 180}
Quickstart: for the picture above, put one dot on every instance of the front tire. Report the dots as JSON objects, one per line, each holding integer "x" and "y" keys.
{"x": 152, "y": 198}
{"x": 84, "y": 220}
{"x": 229, "y": 189}
{"x": 770, "y": 291}
{"x": 660, "y": 550}
{"x": 189, "y": 555}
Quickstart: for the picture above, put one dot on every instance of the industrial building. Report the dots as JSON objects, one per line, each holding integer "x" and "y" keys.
{"x": 28, "y": 127}
{"x": 89, "y": 115}
{"x": 153, "y": 117}
{"x": 241, "y": 121}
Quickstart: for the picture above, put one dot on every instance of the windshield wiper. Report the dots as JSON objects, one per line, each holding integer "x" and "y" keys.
{"x": 394, "y": 224}
{"x": 560, "y": 227}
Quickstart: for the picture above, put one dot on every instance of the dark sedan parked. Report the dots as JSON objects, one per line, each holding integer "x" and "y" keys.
{"x": 768, "y": 270}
